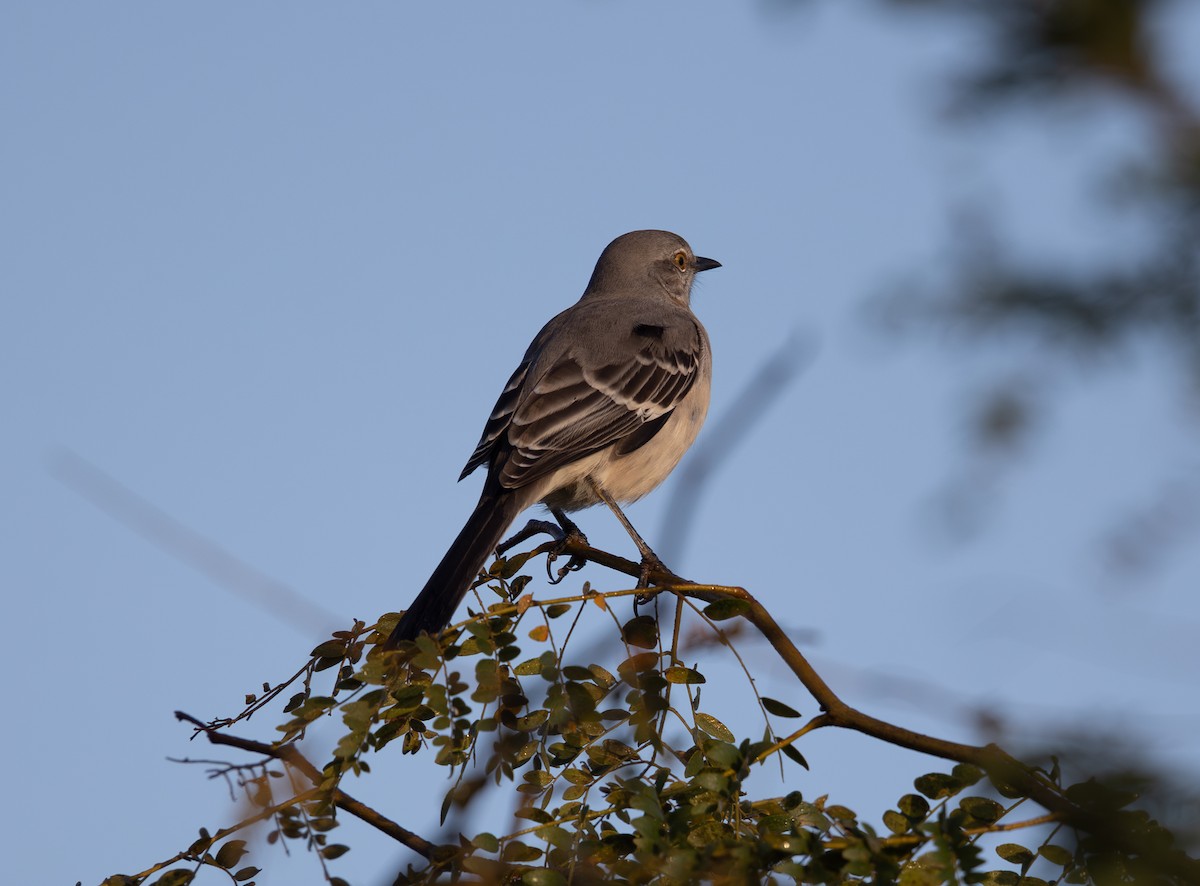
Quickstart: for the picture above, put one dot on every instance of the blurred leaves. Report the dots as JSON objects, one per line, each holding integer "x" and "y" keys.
{"x": 1041, "y": 50}
{"x": 1081, "y": 64}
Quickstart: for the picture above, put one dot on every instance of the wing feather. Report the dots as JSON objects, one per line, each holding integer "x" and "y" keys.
{"x": 548, "y": 417}
{"x": 573, "y": 411}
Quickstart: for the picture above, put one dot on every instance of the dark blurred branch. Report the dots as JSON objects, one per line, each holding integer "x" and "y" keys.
{"x": 750, "y": 407}
{"x": 188, "y": 546}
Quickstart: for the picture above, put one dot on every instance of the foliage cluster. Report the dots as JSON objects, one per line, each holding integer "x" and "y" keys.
{"x": 619, "y": 772}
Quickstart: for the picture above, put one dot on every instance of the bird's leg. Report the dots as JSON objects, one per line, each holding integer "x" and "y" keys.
{"x": 650, "y": 561}
{"x": 565, "y": 531}
{"x": 571, "y": 532}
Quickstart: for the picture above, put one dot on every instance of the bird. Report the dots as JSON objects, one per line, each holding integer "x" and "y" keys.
{"x": 609, "y": 396}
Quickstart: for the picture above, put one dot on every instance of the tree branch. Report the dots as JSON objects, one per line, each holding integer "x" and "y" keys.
{"x": 288, "y": 754}
{"x": 1002, "y": 768}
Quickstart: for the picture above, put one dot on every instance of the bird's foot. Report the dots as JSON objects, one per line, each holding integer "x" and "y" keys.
{"x": 564, "y": 536}
{"x": 651, "y": 564}
{"x": 571, "y": 537}
{"x": 532, "y": 528}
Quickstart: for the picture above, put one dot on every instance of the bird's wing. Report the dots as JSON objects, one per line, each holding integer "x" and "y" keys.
{"x": 577, "y": 406}
{"x": 498, "y": 421}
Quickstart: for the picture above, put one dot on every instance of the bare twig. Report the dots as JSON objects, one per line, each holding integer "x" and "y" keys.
{"x": 289, "y": 755}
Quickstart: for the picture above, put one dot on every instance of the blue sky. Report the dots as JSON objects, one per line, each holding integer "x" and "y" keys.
{"x": 268, "y": 266}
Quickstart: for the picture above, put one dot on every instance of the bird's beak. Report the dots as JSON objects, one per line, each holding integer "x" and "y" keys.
{"x": 700, "y": 263}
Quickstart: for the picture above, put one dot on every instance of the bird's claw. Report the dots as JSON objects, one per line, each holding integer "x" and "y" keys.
{"x": 650, "y": 565}
{"x": 574, "y": 564}
{"x": 562, "y": 537}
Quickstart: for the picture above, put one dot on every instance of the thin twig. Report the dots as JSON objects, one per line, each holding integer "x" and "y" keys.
{"x": 288, "y": 754}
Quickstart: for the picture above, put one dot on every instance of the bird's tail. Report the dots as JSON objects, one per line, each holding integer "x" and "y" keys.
{"x": 435, "y": 605}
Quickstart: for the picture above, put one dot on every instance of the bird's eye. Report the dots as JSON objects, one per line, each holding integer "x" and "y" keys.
{"x": 681, "y": 261}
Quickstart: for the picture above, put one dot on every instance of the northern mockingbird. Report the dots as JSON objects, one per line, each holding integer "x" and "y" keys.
{"x": 607, "y": 399}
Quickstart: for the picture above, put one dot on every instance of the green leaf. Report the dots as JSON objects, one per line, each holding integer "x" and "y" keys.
{"x": 914, "y": 806}
{"x": 714, "y": 727}
{"x": 526, "y": 751}
{"x": 723, "y": 754}
{"x": 981, "y": 808}
{"x": 576, "y": 776}
{"x": 245, "y": 874}
{"x": 231, "y": 853}
{"x": 529, "y": 668}
{"x": 680, "y": 674}
{"x": 711, "y": 780}
{"x": 487, "y": 842}
{"x": 601, "y": 676}
{"x": 558, "y": 837}
{"x": 789, "y": 751}
{"x": 1015, "y": 853}
{"x": 408, "y": 698}
{"x": 936, "y": 785}
{"x": 203, "y": 844}
{"x": 643, "y": 661}
{"x": 641, "y": 631}
{"x": 966, "y": 774}
{"x": 330, "y": 649}
{"x": 336, "y": 850}
{"x": 1000, "y": 878}
{"x": 841, "y": 813}
{"x": 602, "y": 758}
{"x": 807, "y": 815}
{"x": 730, "y": 607}
{"x": 177, "y": 877}
{"x": 518, "y": 851}
{"x": 778, "y": 708}
{"x": 895, "y": 822}
{"x": 507, "y": 567}
{"x": 1058, "y": 855}
{"x": 926, "y": 870}
{"x": 543, "y": 877}
{"x": 706, "y": 833}
{"x": 532, "y": 720}
{"x": 488, "y": 870}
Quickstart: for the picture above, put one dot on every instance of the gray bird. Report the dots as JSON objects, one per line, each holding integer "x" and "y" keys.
{"x": 607, "y": 399}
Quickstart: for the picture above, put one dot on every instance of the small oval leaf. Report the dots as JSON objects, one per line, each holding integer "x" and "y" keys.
{"x": 778, "y": 708}
{"x": 730, "y": 607}
{"x": 714, "y": 727}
